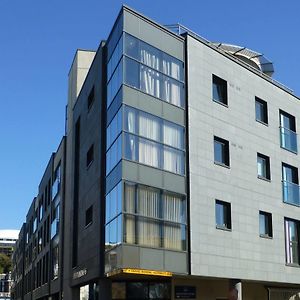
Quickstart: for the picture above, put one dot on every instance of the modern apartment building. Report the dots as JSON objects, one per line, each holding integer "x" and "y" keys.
{"x": 177, "y": 176}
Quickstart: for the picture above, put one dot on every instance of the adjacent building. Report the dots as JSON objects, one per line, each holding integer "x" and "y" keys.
{"x": 177, "y": 177}
{"x": 8, "y": 239}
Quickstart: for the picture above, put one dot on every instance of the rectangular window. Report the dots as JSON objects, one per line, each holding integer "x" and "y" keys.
{"x": 292, "y": 241}
{"x": 261, "y": 110}
{"x": 146, "y": 68}
{"x": 219, "y": 90}
{"x": 223, "y": 215}
{"x": 265, "y": 224}
{"x": 55, "y": 262}
{"x": 263, "y": 166}
{"x": 290, "y": 184}
{"x": 90, "y": 156}
{"x": 55, "y": 221}
{"x": 221, "y": 151}
{"x": 89, "y": 216}
{"x": 146, "y": 150}
{"x": 154, "y": 218}
{"x": 91, "y": 98}
{"x": 56, "y": 182}
{"x": 288, "y": 136}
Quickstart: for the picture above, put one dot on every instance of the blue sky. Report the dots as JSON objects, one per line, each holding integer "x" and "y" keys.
{"x": 38, "y": 40}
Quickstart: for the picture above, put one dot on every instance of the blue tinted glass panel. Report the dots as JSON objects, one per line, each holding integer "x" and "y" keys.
{"x": 114, "y": 129}
{"x": 132, "y": 73}
{"x": 114, "y": 154}
{"x": 115, "y": 58}
{"x": 115, "y": 83}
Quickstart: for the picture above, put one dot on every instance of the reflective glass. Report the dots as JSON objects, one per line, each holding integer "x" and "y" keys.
{"x": 115, "y": 58}
{"x": 115, "y": 83}
{"x": 132, "y": 73}
{"x": 131, "y": 46}
{"x": 114, "y": 154}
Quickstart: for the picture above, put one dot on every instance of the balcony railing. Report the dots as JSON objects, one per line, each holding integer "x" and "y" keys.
{"x": 288, "y": 139}
{"x": 291, "y": 193}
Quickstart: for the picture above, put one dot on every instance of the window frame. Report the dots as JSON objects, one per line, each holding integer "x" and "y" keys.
{"x": 288, "y": 242}
{"x": 225, "y": 161}
{"x": 90, "y": 156}
{"x": 226, "y": 215}
{"x": 91, "y": 98}
{"x": 264, "y": 105}
{"x": 266, "y": 160}
{"x": 220, "y": 82}
{"x": 89, "y": 216}
{"x": 268, "y": 226}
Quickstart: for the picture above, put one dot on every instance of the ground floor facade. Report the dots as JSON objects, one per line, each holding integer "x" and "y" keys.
{"x": 133, "y": 287}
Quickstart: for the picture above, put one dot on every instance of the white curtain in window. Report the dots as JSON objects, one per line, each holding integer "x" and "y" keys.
{"x": 171, "y": 67}
{"x": 173, "y": 208}
{"x": 172, "y": 135}
{"x": 130, "y": 120}
{"x": 130, "y": 147}
{"x": 150, "y": 56}
{"x": 171, "y": 91}
{"x": 130, "y": 208}
{"x": 172, "y": 211}
{"x": 130, "y": 198}
{"x": 148, "y": 232}
{"x": 150, "y": 81}
{"x": 173, "y": 160}
{"x": 129, "y": 236}
{"x": 148, "y": 153}
{"x": 172, "y": 236}
{"x": 148, "y": 205}
{"x": 148, "y": 202}
{"x": 149, "y": 126}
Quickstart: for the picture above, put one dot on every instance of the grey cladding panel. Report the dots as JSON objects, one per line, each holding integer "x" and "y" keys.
{"x": 150, "y": 176}
{"x": 152, "y": 259}
{"x": 153, "y": 35}
{"x": 176, "y": 262}
{"x": 153, "y": 106}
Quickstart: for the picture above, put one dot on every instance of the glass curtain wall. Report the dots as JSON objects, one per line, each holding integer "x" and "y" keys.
{"x": 154, "y": 218}
{"x": 151, "y": 217}
{"x": 144, "y": 67}
{"x": 137, "y": 214}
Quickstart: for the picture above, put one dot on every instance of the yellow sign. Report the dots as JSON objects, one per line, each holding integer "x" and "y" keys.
{"x": 141, "y": 272}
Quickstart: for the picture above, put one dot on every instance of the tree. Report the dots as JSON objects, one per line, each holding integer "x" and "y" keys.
{"x": 5, "y": 263}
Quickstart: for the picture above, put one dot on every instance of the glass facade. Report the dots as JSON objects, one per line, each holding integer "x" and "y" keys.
{"x": 141, "y": 290}
{"x": 138, "y": 214}
{"x": 151, "y": 217}
{"x": 144, "y": 67}
{"x": 145, "y": 138}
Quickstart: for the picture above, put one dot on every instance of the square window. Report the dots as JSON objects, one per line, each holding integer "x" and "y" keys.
{"x": 91, "y": 98}
{"x": 89, "y": 216}
{"x": 90, "y": 156}
{"x": 223, "y": 215}
{"x": 265, "y": 224}
{"x": 261, "y": 110}
{"x": 263, "y": 166}
{"x": 221, "y": 151}
{"x": 219, "y": 91}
